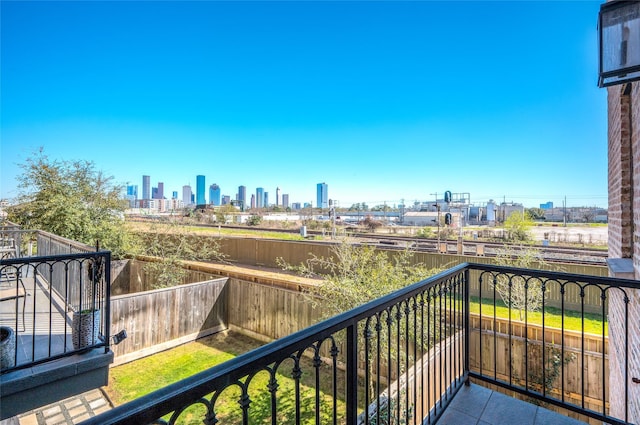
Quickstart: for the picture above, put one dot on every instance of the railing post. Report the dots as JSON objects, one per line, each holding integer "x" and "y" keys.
{"x": 107, "y": 309}
{"x": 352, "y": 373}
{"x": 467, "y": 324}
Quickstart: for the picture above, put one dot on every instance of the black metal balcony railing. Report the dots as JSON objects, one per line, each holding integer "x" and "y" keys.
{"x": 401, "y": 359}
{"x": 44, "y": 298}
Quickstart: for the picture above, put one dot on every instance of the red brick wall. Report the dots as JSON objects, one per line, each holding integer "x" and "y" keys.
{"x": 624, "y": 242}
{"x": 620, "y": 183}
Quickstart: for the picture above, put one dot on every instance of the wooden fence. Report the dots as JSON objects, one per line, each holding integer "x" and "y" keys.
{"x": 163, "y": 318}
{"x": 490, "y": 340}
{"x": 130, "y": 277}
{"x": 263, "y": 252}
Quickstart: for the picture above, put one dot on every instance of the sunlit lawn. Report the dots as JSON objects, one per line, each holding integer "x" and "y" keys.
{"x": 268, "y": 234}
{"x": 552, "y": 316}
{"x": 223, "y": 231}
{"x": 138, "y": 378}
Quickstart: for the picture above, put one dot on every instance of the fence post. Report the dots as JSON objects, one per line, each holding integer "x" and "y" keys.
{"x": 352, "y": 373}
{"x": 467, "y": 325}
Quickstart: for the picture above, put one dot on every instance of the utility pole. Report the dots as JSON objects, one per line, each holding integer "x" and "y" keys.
{"x": 438, "y": 220}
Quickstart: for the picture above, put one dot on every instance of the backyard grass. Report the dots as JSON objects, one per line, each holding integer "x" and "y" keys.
{"x": 552, "y": 318}
{"x": 138, "y": 378}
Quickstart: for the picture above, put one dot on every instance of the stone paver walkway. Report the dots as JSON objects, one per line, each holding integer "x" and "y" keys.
{"x": 69, "y": 411}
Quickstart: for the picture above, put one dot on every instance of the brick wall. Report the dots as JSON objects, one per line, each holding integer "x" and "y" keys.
{"x": 624, "y": 242}
{"x": 620, "y": 182}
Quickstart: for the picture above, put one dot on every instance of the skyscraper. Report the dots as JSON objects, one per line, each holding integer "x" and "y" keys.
{"x": 160, "y": 190}
{"x": 277, "y": 196}
{"x": 174, "y": 195}
{"x": 253, "y": 201}
{"x": 154, "y": 193}
{"x": 322, "y": 196}
{"x": 132, "y": 194}
{"x": 214, "y": 194}
{"x": 266, "y": 200}
{"x": 146, "y": 187}
{"x": 242, "y": 195}
{"x": 285, "y": 200}
{"x": 186, "y": 195}
{"x": 132, "y": 190}
{"x": 259, "y": 197}
{"x": 200, "y": 188}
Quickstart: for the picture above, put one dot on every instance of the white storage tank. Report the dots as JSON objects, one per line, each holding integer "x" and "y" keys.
{"x": 491, "y": 210}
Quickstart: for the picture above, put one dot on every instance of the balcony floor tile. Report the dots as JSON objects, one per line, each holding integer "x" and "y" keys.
{"x": 477, "y": 405}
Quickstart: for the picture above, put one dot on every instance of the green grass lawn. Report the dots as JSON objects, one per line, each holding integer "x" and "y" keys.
{"x": 132, "y": 380}
{"x": 552, "y": 318}
{"x": 248, "y": 232}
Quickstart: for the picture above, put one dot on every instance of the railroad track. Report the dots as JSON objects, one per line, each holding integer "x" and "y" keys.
{"x": 571, "y": 255}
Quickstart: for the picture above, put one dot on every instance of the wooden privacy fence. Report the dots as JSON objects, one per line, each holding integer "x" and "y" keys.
{"x": 131, "y": 278}
{"x": 264, "y": 252}
{"x": 163, "y": 318}
{"x": 489, "y": 337}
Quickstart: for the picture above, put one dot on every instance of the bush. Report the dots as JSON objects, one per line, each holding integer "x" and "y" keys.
{"x": 254, "y": 220}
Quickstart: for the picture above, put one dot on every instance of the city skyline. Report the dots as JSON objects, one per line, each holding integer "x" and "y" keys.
{"x": 368, "y": 96}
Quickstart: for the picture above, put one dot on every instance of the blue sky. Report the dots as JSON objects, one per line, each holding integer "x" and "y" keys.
{"x": 383, "y": 101}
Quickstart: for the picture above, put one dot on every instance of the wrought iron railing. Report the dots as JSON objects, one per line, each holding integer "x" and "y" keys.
{"x": 53, "y": 307}
{"x": 401, "y": 358}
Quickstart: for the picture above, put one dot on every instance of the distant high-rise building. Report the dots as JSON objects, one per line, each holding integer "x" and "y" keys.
{"x": 253, "y": 201}
{"x": 277, "y": 196}
{"x": 295, "y": 206}
{"x": 285, "y": 200}
{"x": 226, "y": 200}
{"x": 186, "y": 195}
{"x": 200, "y": 199}
{"x": 322, "y": 196}
{"x": 174, "y": 195}
{"x": 132, "y": 194}
{"x": 547, "y": 206}
{"x": 146, "y": 187}
{"x": 160, "y": 190}
{"x": 154, "y": 193}
{"x": 259, "y": 197}
{"x": 132, "y": 190}
{"x": 242, "y": 195}
{"x": 266, "y": 200}
{"x": 214, "y": 194}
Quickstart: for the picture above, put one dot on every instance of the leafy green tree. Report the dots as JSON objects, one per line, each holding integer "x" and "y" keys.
{"x": 171, "y": 243}
{"x": 518, "y": 226}
{"x": 74, "y": 200}
{"x": 225, "y": 213}
{"x": 516, "y": 291}
{"x": 425, "y": 232}
{"x": 536, "y": 213}
{"x": 254, "y": 220}
{"x": 354, "y": 275}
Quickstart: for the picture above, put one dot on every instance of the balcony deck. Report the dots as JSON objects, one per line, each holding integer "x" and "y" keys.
{"x": 479, "y": 405}
{"x": 45, "y": 366}
{"x": 46, "y": 331}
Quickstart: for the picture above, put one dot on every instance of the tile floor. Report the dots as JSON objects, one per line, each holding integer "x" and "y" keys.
{"x": 476, "y": 405}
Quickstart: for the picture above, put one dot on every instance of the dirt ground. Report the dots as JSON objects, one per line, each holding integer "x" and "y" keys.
{"x": 578, "y": 234}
